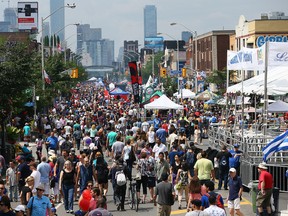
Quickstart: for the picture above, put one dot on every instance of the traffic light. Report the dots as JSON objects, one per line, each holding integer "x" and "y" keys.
{"x": 163, "y": 72}
{"x": 74, "y": 73}
{"x": 184, "y": 72}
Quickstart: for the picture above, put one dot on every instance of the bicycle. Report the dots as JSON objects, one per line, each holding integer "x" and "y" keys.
{"x": 133, "y": 200}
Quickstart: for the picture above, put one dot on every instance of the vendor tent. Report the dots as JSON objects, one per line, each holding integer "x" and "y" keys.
{"x": 184, "y": 93}
{"x": 163, "y": 103}
{"x": 206, "y": 95}
{"x": 92, "y": 79}
{"x": 277, "y": 80}
{"x": 278, "y": 106}
{"x": 118, "y": 91}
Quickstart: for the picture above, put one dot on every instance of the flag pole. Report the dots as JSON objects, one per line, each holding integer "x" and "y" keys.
{"x": 265, "y": 115}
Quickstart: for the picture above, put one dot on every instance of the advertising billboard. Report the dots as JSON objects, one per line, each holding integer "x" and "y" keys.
{"x": 154, "y": 43}
{"x": 27, "y": 16}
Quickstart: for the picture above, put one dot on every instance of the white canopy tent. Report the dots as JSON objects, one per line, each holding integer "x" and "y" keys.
{"x": 162, "y": 103}
{"x": 276, "y": 83}
{"x": 186, "y": 93}
{"x": 92, "y": 79}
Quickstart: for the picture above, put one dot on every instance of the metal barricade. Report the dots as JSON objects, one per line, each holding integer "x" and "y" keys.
{"x": 251, "y": 143}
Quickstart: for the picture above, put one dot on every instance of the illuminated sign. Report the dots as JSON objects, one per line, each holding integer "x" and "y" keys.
{"x": 27, "y": 15}
{"x": 262, "y": 39}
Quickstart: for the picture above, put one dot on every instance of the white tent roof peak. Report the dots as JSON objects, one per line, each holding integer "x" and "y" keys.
{"x": 163, "y": 102}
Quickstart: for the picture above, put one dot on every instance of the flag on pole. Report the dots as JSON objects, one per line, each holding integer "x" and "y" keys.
{"x": 46, "y": 77}
{"x": 273, "y": 146}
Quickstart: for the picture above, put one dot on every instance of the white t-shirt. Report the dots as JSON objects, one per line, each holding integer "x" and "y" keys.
{"x": 151, "y": 136}
{"x": 145, "y": 126}
{"x": 37, "y": 175}
{"x": 126, "y": 150}
{"x": 157, "y": 149}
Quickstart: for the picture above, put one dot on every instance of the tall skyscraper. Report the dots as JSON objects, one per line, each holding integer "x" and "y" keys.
{"x": 57, "y": 20}
{"x": 10, "y": 15}
{"x": 150, "y": 21}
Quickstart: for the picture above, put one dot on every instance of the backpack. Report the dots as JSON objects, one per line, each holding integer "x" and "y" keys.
{"x": 120, "y": 178}
{"x": 131, "y": 155}
{"x": 190, "y": 159}
{"x": 223, "y": 161}
{"x": 184, "y": 178}
{"x": 218, "y": 199}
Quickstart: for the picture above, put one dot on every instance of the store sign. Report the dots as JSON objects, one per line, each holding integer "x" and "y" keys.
{"x": 27, "y": 15}
{"x": 262, "y": 39}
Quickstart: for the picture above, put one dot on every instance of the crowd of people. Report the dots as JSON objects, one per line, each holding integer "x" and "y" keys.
{"x": 89, "y": 140}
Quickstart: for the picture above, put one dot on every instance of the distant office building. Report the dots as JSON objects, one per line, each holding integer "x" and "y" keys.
{"x": 4, "y": 26}
{"x": 10, "y": 15}
{"x": 46, "y": 29}
{"x": 57, "y": 20}
{"x": 130, "y": 51}
{"x": 100, "y": 51}
{"x": 150, "y": 21}
{"x": 186, "y": 35}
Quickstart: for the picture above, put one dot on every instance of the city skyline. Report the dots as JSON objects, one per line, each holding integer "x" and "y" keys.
{"x": 123, "y": 20}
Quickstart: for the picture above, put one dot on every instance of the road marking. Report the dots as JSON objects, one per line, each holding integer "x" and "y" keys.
{"x": 58, "y": 205}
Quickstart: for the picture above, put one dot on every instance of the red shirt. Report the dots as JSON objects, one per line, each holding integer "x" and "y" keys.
{"x": 267, "y": 178}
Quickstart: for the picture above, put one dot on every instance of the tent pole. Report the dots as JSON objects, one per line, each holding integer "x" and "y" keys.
{"x": 265, "y": 116}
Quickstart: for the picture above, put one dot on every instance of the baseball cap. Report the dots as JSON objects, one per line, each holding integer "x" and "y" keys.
{"x": 20, "y": 157}
{"x": 236, "y": 145}
{"x": 96, "y": 213}
{"x": 20, "y": 208}
{"x": 232, "y": 170}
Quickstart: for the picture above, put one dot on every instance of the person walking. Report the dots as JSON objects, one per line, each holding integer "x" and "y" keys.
{"x": 39, "y": 204}
{"x": 85, "y": 174}
{"x": 119, "y": 175}
{"x": 223, "y": 159}
{"x": 67, "y": 182}
{"x": 235, "y": 192}
{"x": 11, "y": 181}
{"x": 162, "y": 166}
{"x": 182, "y": 183}
{"x": 265, "y": 186}
{"x": 5, "y": 207}
{"x": 213, "y": 209}
{"x": 100, "y": 210}
{"x": 26, "y": 191}
{"x": 203, "y": 169}
{"x": 165, "y": 192}
{"x": 44, "y": 169}
{"x": 142, "y": 167}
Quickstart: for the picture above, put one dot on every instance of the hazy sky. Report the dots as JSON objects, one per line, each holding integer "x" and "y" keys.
{"x": 123, "y": 19}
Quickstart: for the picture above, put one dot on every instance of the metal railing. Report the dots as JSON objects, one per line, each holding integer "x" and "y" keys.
{"x": 251, "y": 143}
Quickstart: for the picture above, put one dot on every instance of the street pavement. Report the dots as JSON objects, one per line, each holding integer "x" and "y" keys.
{"x": 150, "y": 209}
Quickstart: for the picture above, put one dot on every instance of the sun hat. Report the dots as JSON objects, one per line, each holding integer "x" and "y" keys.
{"x": 262, "y": 166}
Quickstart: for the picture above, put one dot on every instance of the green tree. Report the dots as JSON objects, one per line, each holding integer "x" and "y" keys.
{"x": 219, "y": 78}
{"x": 17, "y": 70}
{"x": 147, "y": 69}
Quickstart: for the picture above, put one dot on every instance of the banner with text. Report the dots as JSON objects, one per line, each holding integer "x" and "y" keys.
{"x": 278, "y": 54}
{"x": 134, "y": 80}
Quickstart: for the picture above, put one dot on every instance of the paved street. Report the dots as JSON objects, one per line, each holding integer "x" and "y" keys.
{"x": 149, "y": 207}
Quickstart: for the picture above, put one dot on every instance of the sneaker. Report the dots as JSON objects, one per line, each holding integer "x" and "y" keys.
{"x": 179, "y": 207}
{"x": 118, "y": 207}
{"x": 67, "y": 211}
{"x": 123, "y": 209}
{"x": 71, "y": 211}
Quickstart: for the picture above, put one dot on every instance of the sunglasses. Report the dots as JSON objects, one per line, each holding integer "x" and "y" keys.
{"x": 90, "y": 185}
{"x": 2, "y": 188}
{"x": 39, "y": 190}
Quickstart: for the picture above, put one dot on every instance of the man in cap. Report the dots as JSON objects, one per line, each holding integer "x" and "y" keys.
{"x": 39, "y": 204}
{"x": 20, "y": 210}
{"x": 235, "y": 192}
{"x": 265, "y": 186}
{"x": 5, "y": 207}
{"x": 234, "y": 161}
{"x": 100, "y": 210}
{"x": 23, "y": 171}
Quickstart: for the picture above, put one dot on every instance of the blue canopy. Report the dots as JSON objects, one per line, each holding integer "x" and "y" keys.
{"x": 118, "y": 91}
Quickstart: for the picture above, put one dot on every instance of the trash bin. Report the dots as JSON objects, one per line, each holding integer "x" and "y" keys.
{"x": 254, "y": 192}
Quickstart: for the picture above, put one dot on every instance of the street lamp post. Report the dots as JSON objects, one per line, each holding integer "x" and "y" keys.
{"x": 194, "y": 33}
{"x": 42, "y": 39}
{"x": 178, "y": 72}
{"x": 53, "y": 39}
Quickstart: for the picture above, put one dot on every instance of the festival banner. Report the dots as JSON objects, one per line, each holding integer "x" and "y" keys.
{"x": 278, "y": 54}
{"x": 134, "y": 80}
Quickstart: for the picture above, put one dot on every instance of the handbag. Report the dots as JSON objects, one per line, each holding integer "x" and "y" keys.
{"x": 138, "y": 175}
